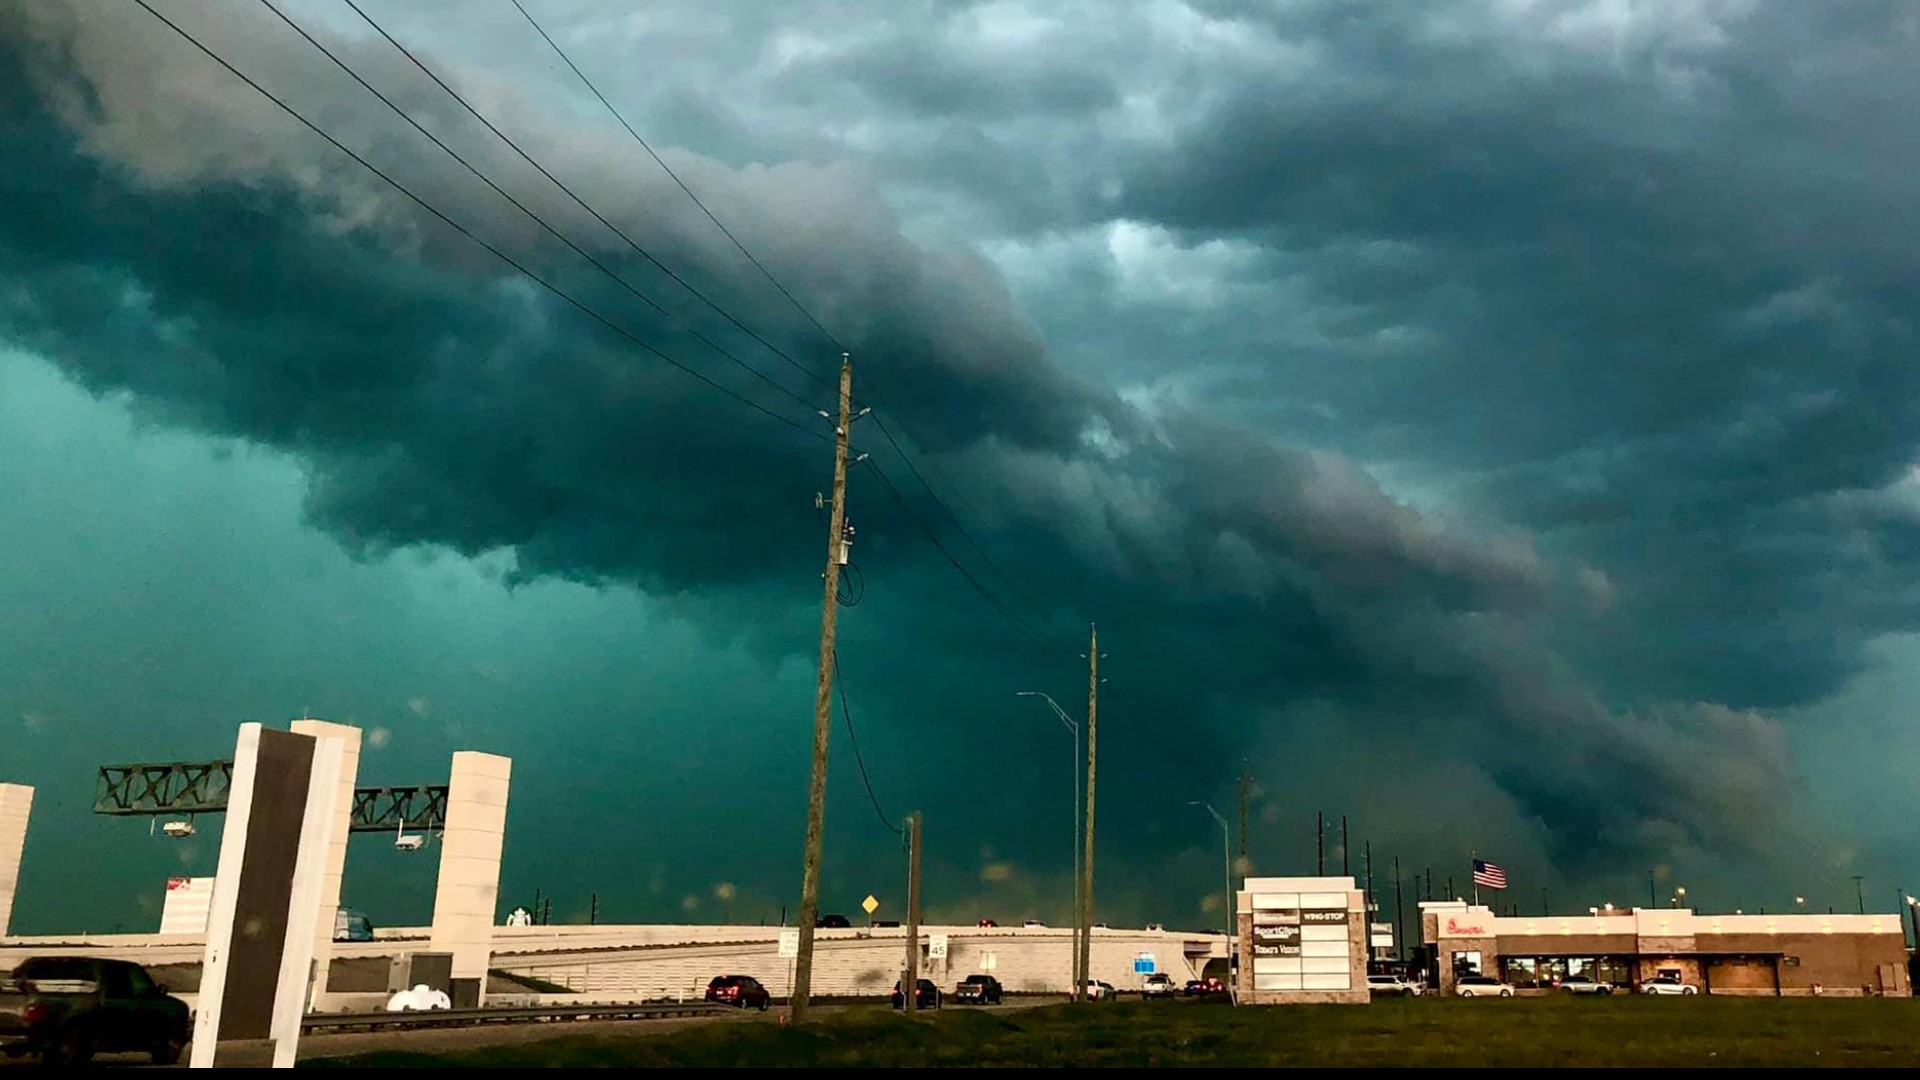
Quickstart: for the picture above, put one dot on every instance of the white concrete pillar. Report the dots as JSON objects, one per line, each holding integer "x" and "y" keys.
{"x": 468, "y": 890}
{"x": 336, "y": 865}
{"x": 16, "y": 803}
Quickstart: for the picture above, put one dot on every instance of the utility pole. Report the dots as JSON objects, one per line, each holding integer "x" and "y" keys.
{"x": 1320, "y": 843}
{"x": 1652, "y": 901}
{"x": 593, "y": 909}
{"x": 1399, "y": 914}
{"x": 1346, "y": 866}
{"x": 1246, "y": 784}
{"x": 910, "y": 986}
{"x": 823, "y": 702}
{"x": 1093, "y": 761}
{"x": 1367, "y": 852}
{"x": 1860, "y": 893}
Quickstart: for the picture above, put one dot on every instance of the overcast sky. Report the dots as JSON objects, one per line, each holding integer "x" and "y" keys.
{"x": 1494, "y": 421}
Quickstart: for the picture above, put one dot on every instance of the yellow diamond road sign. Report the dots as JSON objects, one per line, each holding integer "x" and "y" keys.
{"x": 871, "y": 904}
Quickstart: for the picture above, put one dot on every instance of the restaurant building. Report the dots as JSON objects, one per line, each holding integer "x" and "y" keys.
{"x": 1766, "y": 955}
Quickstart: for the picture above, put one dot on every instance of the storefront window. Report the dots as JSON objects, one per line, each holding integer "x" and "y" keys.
{"x": 1466, "y": 963}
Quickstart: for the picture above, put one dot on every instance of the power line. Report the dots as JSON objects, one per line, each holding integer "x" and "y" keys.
{"x": 840, "y": 686}
{"x": 742, "y": 248}
{"x": 518, "y": 205}
{"x": 468, "y": 233}
{"x": 946, "y": 510}
{"x": 985, "y": 594}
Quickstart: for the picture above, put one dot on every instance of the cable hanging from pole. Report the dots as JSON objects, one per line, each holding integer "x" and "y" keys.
{"x": 846, "y": 714}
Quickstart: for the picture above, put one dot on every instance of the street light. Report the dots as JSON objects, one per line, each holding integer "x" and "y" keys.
{"x": 1077, "y": 990}
{"x": 1679, "y": 895}
{"x": 1226, "y": 864}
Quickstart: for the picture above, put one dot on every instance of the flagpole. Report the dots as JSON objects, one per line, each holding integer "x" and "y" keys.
{"x": 1473, "y": 869}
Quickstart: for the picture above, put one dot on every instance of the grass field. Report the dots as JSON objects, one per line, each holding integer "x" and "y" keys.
{"x": 1522, "y": 1032}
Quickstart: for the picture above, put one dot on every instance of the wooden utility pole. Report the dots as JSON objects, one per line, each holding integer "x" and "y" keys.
{"x": 1246, "y": 783}
{"x": 1399, "y": 914}
{"x": 1346, "y": 867}
{"x": 823, "y": 702}
{"x": 910, "y": 986}
{"x": 1093, "y": 759}
{"x": 1320, "y": 842}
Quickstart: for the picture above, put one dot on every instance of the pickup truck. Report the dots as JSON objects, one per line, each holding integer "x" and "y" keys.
{"x": 66, "y": 1008}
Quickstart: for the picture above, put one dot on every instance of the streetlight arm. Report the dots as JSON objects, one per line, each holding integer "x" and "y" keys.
{"x": 1072, "y": 724}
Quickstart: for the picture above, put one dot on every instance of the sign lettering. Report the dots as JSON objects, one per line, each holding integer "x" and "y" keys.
{"x": 1282, "y": 949}
{"x": 1460, "y": 929}
{"x": 1276, "y": 933}
{"x": 1324, "y": 917}
{"x": 1277, "y": 917}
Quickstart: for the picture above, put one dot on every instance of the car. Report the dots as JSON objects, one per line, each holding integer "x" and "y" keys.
{"x": 739, "y": 991}
{"x": 832, "y": 922}
{"x": 1100, "y": 926}
{"x": 886, "y": 924}
{"x": 978, "y": 990}
{"x": 1100, "y": 991}
{"x": 64, "y": 1009}
{"x": 422, "y": 998}
{"x": 1668, "y": 986}
{"x": 1585, "y": 984}
{"x": 1204, "y": 987}
{"x": 987, "y": 923}
{"x": 1157, "y": 986}
{"x": 1155, "y": 928}
{"x": 1481, "y": 986}
{"x": 1033, "y": 924}
{"x": 927, "y": 997}
{"x": 1392, "y": 986}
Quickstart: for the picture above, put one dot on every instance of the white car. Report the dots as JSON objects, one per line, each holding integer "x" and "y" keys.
{"x": 1585, "y": 984}
{"x": 1481, "y": 986}
{"x": 1392, "y": 986}
{"x": 1158, "y": 985}
{"x": 1667, "y": 985}
{"x": 422, "y": 998}
{"x": 1033, "y": 924}
{"x": 1099, "y": 991}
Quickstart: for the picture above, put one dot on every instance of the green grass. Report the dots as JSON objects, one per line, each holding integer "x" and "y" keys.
{"x": 1529, "y": 1032}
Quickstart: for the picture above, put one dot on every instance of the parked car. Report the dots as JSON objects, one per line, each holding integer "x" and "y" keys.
{"x": 1154, "y": 986}
{"x": 832, "y": 922}
{"x": 1155, "y": 928}
{"x": 739, "y": 991}
{"x": 64, "y": 1009}
{"x": 1033, "y": 924}
{"x": 985, "y": 923}
{"x": 1392, "y": 986}
{"x": 1585, "y": 984}
{"x": 349, "y": 925}
{"x": 1481, "y": 986}
{"x": 1667, "y": 985}
{"x": 978, "y": 990}
{"x": 1100, "y": 991}
{"x": 886, "y": 924}
{"x": 422, "y": 998}
{"x": 1204, "y": 987}
{"x": 927, "y": 997}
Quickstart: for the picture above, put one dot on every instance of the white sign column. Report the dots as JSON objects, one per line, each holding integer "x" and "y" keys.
{"x": 468, "y": 891}
{"x": 16, "y": 804}
{"x": 349, "y": 739}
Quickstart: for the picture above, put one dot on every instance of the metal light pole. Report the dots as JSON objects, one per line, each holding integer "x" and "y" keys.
{"x": 1078, "y": 988}
{"x": 1226, "y": 865}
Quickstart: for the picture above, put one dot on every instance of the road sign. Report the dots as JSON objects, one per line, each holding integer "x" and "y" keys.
{"x": 1143, "y": 964}
{"x": 790, "y": 943}
{"x": 936, "y": 946}
{"x": 871, "y": 904}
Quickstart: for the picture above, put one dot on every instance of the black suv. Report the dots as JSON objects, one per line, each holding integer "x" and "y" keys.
{"x": 928, "y": 996}
{"x": 978, "y": 990}
{"x": 740, "y": 991}
{"x": 832, "y": 922}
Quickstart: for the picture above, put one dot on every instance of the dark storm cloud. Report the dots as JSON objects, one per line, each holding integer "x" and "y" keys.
{"x": 1576, "y": 275}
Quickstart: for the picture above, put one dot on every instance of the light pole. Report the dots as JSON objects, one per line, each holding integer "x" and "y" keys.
{"x": 1226, "y": 864}
{"x": 1078, "y": 988}
{"x": 1679, "y": 895}
{"x": 1913, "y": 909}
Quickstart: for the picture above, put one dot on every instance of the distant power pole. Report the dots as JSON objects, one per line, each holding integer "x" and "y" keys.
{"x": 1367, "y": 850}
{"x": 1320, "y": 843}
{"x": 910, "y": 986}
{"x": 1399, "y": 914}
{"x": 1346, "y": 867}
{"x": 823, "y": 702}
{"x": 1860, "y": 892}
{"x": 593, "y": 909}
{"x": 1093, "y": 760}
{"x": 546, "y": 912}
{"x": 1246, "y": 784}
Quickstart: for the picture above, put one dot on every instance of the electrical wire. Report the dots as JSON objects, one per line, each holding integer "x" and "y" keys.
{"x": 468, "y": 233}
{"x": 517, "y": 204}
{"x": 846, "y": 714}
{"x": 946, "y": 510}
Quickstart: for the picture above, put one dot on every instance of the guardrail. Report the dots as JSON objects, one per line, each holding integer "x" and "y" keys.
{"x": 315, "y": 1023}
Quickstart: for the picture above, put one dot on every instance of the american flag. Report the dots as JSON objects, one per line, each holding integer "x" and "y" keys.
{"x": 1488, "y": 876}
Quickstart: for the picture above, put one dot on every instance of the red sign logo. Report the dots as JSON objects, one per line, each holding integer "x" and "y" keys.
{"x": 1471, "y": 930}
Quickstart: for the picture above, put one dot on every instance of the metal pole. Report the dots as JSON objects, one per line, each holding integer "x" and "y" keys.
{"x": 1399, "y": 914}
{"x": 1079, "y": 988}
{"x": 1226, "y": 865}
{"x": 1320, "y": 843}
{"x": 1860, "y": 892}
{"x": 1093, "y": 764}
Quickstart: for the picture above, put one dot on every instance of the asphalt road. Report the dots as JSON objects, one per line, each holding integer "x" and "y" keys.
{"x": 433, "y": 1040}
